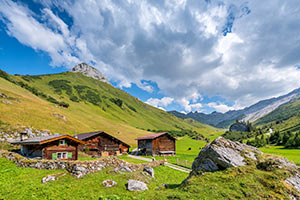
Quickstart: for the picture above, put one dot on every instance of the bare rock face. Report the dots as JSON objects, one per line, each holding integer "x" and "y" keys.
{"x": 89, "y": 71}
{"x": 222, "y": 154}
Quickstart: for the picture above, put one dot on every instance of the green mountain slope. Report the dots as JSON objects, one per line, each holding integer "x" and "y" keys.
{"x": 41, "y": 101}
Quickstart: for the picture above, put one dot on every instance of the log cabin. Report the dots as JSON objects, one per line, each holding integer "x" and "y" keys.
{"x": 157, "y": 144}
{"x": 55, "y": 147}
{"x": 100, "y": 143}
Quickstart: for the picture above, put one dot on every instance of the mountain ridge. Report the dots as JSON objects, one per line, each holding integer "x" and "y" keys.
{"x": 251, "y": 113}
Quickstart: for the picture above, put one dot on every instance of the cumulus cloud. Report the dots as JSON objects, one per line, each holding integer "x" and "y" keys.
{"x": 159, "y": 103}
{"x": 220, "y": 107}
{"x": 243, "y": 51}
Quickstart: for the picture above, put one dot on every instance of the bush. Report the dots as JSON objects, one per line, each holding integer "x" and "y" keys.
{"x": 74, "y": 98}
{"x": 63, "y": 104}
{"x": 131, "y": 108}
{"x": 117, "y": 101}
{"x": 52, "y": 100}
{"x": 61, "y": 85}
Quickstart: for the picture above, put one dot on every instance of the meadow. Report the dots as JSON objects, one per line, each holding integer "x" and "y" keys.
{"x": 290, "y": 154}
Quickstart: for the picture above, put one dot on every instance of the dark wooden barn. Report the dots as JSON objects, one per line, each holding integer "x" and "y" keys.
{"x": 157, "y": 144}
{"x": 56, "y": 147}
{"x": 102, "y": 144}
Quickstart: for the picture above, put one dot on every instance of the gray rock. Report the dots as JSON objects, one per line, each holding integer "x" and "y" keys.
{"x": 109, "y": 183}
{"x": 48, "y": 179}
{"x": 294, "y": 181}
{"x": 89, "y": 71}
{"x": 3, "y": 96}
{"x": 149, "y": 170}
{"x": 222, "y": 154}
{"x": 134, "y": 185}
{"x": 124, "y": 168}
{"x": 6, "y": 102}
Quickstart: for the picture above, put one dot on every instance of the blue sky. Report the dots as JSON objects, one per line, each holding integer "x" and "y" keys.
{"x": 184, "y": 55}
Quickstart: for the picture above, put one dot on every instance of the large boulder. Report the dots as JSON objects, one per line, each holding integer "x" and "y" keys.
{"x": 134, "y": 185}
{"x": 222, "y": 154}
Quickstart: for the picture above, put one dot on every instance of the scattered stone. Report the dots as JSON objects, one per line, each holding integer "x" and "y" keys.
{"x": 3, "y": 96}
{"x": 134, "y": 185}
{"x": 60, "y": 116}
{"x": 48, "y": 179}
{"x": 6, "y": 102}
{"x": 109, "y": 183}
{"x": 222, "y": 154}
{"x": 124, "y": 168}
{"x": 149, "y": 170}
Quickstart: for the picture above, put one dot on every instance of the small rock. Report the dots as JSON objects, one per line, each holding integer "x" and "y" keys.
{"x": 162, "y": 186}
{"x": 149, "y": 170}
{"x": 60, "y": 116}
{"x": 124, "y": 168}
{"x": 48, "y": 179}
{"x": 109, "y": 183}
{"x": 6, "y": 102}
{"x": 3, "y": 96}
{"x": 134, "y": 185}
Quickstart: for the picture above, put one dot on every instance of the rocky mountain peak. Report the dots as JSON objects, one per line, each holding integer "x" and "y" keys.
{"x": 89, "y": 71}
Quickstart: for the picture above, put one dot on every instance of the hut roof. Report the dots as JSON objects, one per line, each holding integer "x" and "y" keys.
{"x": 153, "y": 136}
{"x": 84, "y": 136}
{"x": 46, "y": 139}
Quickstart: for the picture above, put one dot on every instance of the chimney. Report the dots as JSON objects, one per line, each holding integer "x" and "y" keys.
{"x": 22, "y": 134}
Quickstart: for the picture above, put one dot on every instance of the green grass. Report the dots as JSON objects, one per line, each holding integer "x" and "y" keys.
{"x": 131, "y": 160}
{"x": 290, "y": 154}
{"x": 25, "y": 183}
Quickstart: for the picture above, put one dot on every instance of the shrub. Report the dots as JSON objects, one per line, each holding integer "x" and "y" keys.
{"x": 61, "y": 85}
{"x": 117, "y": 101}
{"x": 52, "y": 100}
{"x": 74, "y": 98}
{"x": 131, "y": 108}
{"x": 63, "y": 104}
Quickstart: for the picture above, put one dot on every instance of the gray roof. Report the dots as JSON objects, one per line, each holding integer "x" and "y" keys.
{"x": 84, "y": 136}
{"x": 35, "y": 140}
{"x": 45, "y": 139}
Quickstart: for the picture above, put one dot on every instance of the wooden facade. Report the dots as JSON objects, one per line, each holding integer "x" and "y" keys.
{"x": 157, "y": 144}
{"x": 50, "y": 147}
{"x": 102, "y": 144}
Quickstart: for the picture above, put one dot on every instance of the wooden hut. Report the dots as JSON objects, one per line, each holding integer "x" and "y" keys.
{"x": 56, "y": 147}
{"x": 157, "y": 144}
{"x": 102, "y": 144}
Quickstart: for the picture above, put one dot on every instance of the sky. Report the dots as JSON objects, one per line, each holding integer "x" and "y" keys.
{"x": 184, "y": 55}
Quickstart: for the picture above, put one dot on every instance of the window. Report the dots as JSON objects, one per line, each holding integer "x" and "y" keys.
{"x": 62, "y": 155}
{"x": 62, "y": 142}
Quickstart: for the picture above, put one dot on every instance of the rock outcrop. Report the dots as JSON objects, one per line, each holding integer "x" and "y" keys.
{"x": 222, "y": 154}
{"x": 239, "y": 126}
{"x": 89, "y": 71}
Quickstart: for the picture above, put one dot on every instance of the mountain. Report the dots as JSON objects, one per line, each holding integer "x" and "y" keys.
{"x": 68, "y": 102}
{"x": 260, "y": 110}
{"x": 89, "y": 71}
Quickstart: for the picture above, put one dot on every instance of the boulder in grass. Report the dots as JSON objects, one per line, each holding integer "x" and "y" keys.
{"x": 134, "y": 185}
{"x": 222, "y": 154}
{"x": 149, "y": 170}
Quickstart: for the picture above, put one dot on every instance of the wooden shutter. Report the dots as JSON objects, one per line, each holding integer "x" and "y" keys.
{"x": 54, "y": 156}
{"x": 70, "y": 155}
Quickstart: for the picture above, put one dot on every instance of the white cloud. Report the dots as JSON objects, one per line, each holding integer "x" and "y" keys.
{"x": 220, "y": 107}
{"x": 179, "y": 45}
{"x": 159, "y": 103}
{"x": 188, "y": 107}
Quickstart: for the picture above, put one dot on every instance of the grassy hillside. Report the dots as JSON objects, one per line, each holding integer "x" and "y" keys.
{"x": 92, "y": 105}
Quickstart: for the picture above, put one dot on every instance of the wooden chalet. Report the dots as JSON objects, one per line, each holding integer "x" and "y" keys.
{"x": 157, "y": 144}
{"x": 56, "y": 147}
{"x": 100, "y": 143}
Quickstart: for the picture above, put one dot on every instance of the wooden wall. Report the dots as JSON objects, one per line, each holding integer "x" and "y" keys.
{"x": 54, "y": 147}
{"x": 104, "y": 143}
{"x": 153, "y": 147}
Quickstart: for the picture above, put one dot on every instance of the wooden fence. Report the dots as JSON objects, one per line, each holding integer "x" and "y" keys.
{"x": 184, "y": 163}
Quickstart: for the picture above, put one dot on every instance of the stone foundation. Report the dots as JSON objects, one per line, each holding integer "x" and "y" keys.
{"x": 76, "y": 168}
